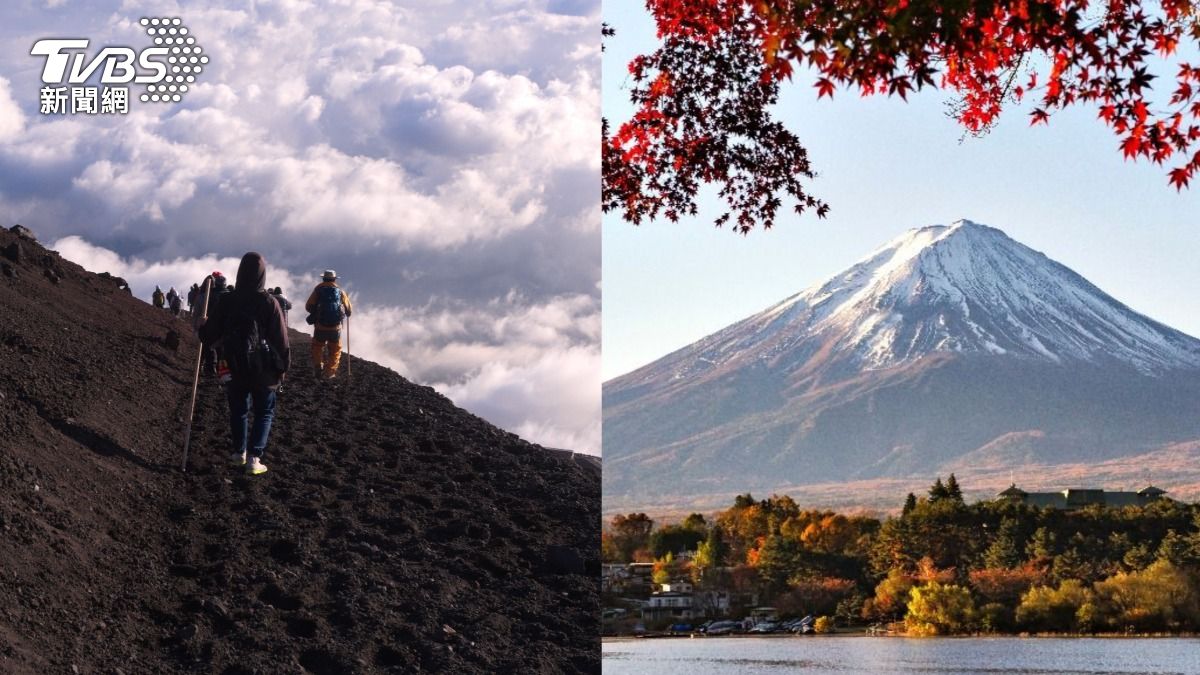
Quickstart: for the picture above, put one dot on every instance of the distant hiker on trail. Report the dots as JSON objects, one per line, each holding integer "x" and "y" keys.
{"x": 176, "y": 304}
{"x": 172, "y": 300}
{"x": 327, "y": 307}
{"x": 218, "y": 290}
{"x": 158, "y": 297}
{"x": 283, "y": 303}
{"x": 193, "y": 298}
{"x": 248, "y": 323}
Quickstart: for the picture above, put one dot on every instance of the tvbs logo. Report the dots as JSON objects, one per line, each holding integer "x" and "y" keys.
{"x": 167, "y": 69}
{"x": 117, "y": 61}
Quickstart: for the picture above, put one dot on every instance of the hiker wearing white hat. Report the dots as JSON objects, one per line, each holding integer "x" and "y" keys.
{"x": 327, "y": 307}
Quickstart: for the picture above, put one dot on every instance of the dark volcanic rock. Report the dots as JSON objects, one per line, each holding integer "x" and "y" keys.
{"x": 388, "y": 513}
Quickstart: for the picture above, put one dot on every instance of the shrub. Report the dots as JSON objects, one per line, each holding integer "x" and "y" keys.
{"x": 940, "y": 609}
{"x": 1044, "y": 608}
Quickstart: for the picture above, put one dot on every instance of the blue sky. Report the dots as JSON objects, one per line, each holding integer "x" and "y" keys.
{"x": 442, "y": 156}
{"x": 886, "y": 166}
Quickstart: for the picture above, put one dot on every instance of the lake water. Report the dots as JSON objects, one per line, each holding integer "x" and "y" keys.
{"x": 904, "y": 656}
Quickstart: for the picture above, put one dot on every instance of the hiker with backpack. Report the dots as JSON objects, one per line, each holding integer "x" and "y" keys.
{"x": 248, "y": 325}
{"x": 216, "y": 292}
{"x": 176, "y": 304}
{"x": 193, "y": 297}
{"x": 173, "y": 301}
{"x": 158, "y": 298}
{"x": 283, "y": 303}
{"x": 327, "y": 307}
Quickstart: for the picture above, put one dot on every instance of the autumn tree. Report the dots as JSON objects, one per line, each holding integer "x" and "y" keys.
{"x": 695, "y": 522}
{"x": 814, "y": 595}
{"x": 939, "y": 609}
{"x": 1175, "y": 549}
{"x": 1156, "y": 598}
{"x": 709, "y": 556}
{"x": 891, "y": 596}
{"x": 703, "y": 99}
{"x": 674, "y": 539}
{"x": 609, "y": 552}
{"x": 1044, "y": 608}
{"x": 1006, "y": 585}
{"x": 1138, "y": 557}
{"x": 777, "y": 560}
{"x": 631, "y": 532}
{"x": 668, "y": 569}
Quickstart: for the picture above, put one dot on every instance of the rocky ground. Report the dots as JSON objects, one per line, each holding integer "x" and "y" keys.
{"x": 394, "y": 532}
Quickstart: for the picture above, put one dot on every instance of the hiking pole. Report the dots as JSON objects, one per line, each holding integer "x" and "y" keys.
{"x": 187, "y": 435}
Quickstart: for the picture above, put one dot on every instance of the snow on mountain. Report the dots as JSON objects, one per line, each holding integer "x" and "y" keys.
{"x": 950, "y": 348}
{"x": 961, "y": 288}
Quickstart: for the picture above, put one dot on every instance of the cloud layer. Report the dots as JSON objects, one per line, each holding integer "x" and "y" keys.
{"x": 441, "y": 155}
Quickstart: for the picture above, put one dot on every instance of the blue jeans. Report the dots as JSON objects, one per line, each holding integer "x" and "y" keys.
{"x": 239, "y": 409}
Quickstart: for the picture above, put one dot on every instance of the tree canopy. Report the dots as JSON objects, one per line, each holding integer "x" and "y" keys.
{"x": 941, "y": 565}
{"x": 703, "y": 99}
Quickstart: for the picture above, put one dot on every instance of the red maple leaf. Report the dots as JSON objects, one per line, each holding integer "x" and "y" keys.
{"x": 1179, "y": 178}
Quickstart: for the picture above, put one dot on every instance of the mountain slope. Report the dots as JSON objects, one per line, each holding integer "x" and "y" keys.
{"x": 394, "y": 533}
{"x": 942, "y": 342}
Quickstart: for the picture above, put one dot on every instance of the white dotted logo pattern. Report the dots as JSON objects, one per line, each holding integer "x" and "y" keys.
{"x": 185, "y": 59}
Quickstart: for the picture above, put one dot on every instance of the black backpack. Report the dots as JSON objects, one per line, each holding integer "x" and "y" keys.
{"x": 244, "y": 345}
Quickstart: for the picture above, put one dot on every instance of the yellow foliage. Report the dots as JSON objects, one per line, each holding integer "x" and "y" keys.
{"x": 939, "y": 609}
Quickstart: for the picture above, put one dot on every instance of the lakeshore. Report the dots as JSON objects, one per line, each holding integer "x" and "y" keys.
{"x": 974, "y": 655}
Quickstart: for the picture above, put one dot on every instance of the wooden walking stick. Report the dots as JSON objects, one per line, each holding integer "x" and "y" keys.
{"x": 187, "y": 435}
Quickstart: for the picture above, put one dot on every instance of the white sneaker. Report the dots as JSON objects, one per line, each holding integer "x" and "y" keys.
{"x": 237, "y": 459}
{"x": 255, "y": 467}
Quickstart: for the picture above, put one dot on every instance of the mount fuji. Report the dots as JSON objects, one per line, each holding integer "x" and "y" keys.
{"x": 950, "y": 348}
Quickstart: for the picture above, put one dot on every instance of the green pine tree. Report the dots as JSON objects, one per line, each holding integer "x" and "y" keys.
{"x": 953, "y": 491}
{"x": 938, "y": 491}
{"x": 1041, "y": 544}
{"x": 1005, "y": 550}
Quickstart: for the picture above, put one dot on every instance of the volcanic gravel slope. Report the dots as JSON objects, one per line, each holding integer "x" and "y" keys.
{"x": 393, "y": 533}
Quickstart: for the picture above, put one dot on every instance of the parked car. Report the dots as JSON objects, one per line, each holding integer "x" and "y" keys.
{"x": 803, "y": 626}
{"x": 765, "y": 627}
{"x": 723, "y": 628}
{"x": 680, "y": 628}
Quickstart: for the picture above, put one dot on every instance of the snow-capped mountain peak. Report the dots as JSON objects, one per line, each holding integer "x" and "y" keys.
{"x": 961, "y": 288}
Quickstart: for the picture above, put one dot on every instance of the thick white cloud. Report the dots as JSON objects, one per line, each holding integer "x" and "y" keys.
{"x": 143, "y": 276}
{"x": 12, "y": 120}
{"x": 442, "y": 154}
{"x": 528, "y": 367}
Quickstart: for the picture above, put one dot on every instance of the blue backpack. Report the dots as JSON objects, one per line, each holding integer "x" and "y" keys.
{"x": 329, "y": 306}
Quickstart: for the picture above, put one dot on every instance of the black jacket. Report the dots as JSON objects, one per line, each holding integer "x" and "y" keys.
{"x": 251, "y": 293}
